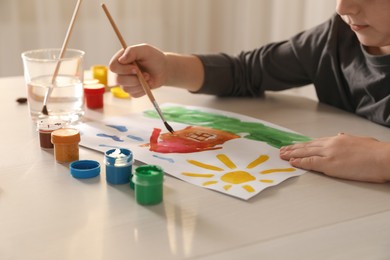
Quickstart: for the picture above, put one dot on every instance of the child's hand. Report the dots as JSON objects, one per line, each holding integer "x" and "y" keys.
{"x": 151, "y": 61}
{"x": 343, "y": 156}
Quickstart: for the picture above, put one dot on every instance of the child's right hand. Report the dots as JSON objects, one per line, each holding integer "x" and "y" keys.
{"x": 151, "y": 61}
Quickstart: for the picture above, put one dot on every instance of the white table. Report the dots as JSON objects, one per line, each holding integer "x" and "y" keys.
{"x": 47, "y": 214}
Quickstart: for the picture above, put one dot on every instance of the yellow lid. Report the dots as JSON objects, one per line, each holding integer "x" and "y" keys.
{"x": 65, "y": 135}
{"x": 118, "y": 92}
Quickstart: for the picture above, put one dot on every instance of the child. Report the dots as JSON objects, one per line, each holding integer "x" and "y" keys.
{"x": 347, "y": 58}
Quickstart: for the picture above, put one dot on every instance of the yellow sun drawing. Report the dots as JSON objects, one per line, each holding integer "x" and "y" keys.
{"x": 236, "y": 176}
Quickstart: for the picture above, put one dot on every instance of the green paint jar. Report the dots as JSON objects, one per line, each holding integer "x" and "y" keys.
{"x": 148, "y": 184}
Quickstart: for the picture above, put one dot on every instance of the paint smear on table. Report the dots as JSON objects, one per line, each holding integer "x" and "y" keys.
{"x": 227, "y": 152}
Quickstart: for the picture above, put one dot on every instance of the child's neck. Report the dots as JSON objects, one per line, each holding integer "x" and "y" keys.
{"x": 385, "y": 50}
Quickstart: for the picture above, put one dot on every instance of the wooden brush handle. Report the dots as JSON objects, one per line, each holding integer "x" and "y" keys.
{"x": 144, "y": 84}
{"x": 141, "y": 78}
{"x": 66, "y": 40}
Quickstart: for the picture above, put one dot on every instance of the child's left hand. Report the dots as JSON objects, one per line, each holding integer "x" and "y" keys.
{"x": 342, "y": 156}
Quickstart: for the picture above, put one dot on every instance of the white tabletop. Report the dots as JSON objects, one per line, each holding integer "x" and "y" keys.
{"x": 47, "y": 214}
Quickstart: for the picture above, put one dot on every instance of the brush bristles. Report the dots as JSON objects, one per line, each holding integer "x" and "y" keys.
{"x": 169, "y": 128}
{"x": 44, "y": 110}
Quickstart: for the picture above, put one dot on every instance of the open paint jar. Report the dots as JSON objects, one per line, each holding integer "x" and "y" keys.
{"x": 119, "y": 164}
{"x": 45, "y": 127}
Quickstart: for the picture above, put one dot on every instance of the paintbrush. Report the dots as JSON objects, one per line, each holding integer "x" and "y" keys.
{"x": 62, "y": 53}
{"x": 141, "y": 78}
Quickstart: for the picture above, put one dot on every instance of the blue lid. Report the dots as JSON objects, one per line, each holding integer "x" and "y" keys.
{"x": 84, "y": 169}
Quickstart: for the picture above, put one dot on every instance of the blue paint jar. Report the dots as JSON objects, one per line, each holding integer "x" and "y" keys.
{"x": 119, "y": 164}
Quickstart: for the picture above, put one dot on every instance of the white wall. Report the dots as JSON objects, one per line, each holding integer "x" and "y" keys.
{"x": 190, "y": 26}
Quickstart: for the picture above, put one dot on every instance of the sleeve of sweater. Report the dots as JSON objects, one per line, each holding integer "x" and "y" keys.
{"x": 275, "y": 66}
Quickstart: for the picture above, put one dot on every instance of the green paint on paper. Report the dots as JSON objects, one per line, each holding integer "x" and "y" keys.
{"x": 250, "y": 130}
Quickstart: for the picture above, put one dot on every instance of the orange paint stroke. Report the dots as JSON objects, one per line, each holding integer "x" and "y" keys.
{"x": 209, "y": 183}
{"x": 200, "y": 175}
{"x": 225, "y": 160}
{"x": 257, "y": 161}
{"x": 278, "y": 170}
{"x": 189, "y": 140}
{"x": 227, "y": 187}
{"x": 237, "y": 177}
{"x": 248, "y": 188}
{"x": 267, "y": 181}
{"x": 205, "y": 166}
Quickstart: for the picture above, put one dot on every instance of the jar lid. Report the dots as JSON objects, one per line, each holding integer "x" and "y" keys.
{"x": 49, "y": 125}
{"x": 118, "y": 92}
{"x": 65, "y": 135}
{"x": 84, "y": 169}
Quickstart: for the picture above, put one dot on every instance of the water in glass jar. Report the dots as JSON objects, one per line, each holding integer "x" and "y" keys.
{"x": 66, "y": 101}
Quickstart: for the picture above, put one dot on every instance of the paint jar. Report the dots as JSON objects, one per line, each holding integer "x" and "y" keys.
{"x": 93, "y": 94}
{"x": 45, "y": 127}
{"x": 100, "y": 72}
{"x": 119, "y": 164}
{"x": 148, "y": 184}
{"x": 66, "y": 144}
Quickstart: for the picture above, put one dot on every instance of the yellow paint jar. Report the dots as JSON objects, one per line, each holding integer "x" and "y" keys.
{"x": 66, "y": 144}
{"x": 100, "y": 72}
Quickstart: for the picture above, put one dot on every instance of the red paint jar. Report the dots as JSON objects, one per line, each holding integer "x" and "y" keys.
{"x": 94, "y": 95}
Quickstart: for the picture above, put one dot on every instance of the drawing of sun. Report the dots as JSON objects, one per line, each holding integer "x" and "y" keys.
{"x": 233, "y": 175}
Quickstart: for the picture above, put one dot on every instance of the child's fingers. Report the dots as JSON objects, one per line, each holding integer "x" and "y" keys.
{"x": 312, "y": 163}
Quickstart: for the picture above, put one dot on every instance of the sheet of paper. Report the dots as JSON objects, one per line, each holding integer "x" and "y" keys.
{"x": 226, "y": 152}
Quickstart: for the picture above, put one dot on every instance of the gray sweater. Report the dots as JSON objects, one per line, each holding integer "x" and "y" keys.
{"x": 328, "y": 56}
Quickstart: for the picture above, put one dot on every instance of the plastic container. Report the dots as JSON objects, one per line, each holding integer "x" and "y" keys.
{"x": 84, "y": 169}
{"x": 148, "y": 184}
{"x": 100, "y": 72}
{"x": 45, "y": 127}
{"x": 66, "y": 144}
{"x": 93, "y": 94}
{"x": 119, "y": 165}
